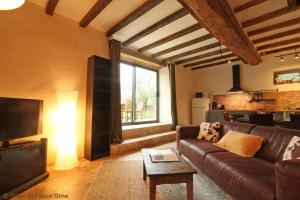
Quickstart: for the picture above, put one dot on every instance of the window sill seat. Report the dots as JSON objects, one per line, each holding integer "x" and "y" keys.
{"x": 141, "y": 130}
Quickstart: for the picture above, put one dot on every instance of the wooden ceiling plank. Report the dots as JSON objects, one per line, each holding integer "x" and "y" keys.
{"x": 280, "y": 50}
{"x": 247, "y": 5}
{"x": 213, "y": 53}
{"x": 171, "y": 37}
{"x": 50, "y": 7}
{"x": 99, "y": 6}
{"x": 139, "y": 55}
{"x": 277, "y": 36}
{"x": 210, "y": 60}
{"x": 183, "y": 45}
{"x": 268, "y": 16}
{"x": 275, "y": 27}
{"x": 278, "y": 44}
{"x": 219, "y": 19}
{"x": 193, "y": 51}
{"x": 169, "y": 19}
{"x": 140, "y": 11}
{"x": 215, "y": 64}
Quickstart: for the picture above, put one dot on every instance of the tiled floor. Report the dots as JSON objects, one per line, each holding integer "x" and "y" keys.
{"x": 73, "y": 184}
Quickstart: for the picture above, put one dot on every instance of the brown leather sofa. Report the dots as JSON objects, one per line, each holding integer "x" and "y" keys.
{"x": 264, "y": 176}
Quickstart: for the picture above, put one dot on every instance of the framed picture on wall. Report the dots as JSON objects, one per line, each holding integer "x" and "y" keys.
{"x": 286, "y": 77}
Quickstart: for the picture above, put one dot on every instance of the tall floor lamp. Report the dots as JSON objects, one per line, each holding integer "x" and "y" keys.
{"x": 66, "y": 157}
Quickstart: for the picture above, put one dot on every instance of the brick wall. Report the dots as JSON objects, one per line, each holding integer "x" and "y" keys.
{"x": 287, "y": 100}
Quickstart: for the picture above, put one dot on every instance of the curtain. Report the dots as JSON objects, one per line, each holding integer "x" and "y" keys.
{"x": 172, "y": 75}
{"x": 116, "y": 124}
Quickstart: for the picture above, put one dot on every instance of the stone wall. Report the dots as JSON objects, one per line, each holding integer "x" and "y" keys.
{"x": 285, "y": 100}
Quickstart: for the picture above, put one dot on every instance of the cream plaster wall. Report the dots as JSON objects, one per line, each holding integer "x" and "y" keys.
{"x": 184, "y": 93}
{"x": 218, "y": 80}
{"x": 40, "y": 54}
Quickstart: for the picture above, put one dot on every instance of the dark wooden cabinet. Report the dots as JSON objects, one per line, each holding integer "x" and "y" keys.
{"x": 22, "y": 166}
{"x": 98, "y": 108}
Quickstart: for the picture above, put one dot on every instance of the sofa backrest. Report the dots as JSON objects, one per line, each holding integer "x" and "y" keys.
{"x": 235, "y": 126}
{"x": 276, "y": 141}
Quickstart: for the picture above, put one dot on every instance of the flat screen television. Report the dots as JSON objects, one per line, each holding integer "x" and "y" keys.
{"x": 19, "y": 118}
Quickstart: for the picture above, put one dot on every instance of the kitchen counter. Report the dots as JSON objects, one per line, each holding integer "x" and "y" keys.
{"x": 243, "y": 115}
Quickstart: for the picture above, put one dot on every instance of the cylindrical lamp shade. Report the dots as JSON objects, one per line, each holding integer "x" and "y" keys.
{"x": 11, "y": 4}
{"x": 66, "y": 157}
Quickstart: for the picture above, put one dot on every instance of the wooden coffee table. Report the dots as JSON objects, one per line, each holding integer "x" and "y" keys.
{"x": 168, "y": 173}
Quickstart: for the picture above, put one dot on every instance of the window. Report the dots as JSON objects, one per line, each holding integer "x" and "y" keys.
{"x": 285, "y": 77}
{"x": 139, "y": 101}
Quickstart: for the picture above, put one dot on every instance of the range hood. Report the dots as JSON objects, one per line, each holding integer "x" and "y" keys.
{"x": 236, "y": 81}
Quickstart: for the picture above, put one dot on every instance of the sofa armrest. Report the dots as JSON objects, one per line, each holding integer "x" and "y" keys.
{"x": 287, "y": 175}
{"x": 186, "y": 131}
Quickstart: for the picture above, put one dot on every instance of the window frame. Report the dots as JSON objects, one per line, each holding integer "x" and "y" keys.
{"x": 277, "y": 73}
{"x": 133, "y": 114}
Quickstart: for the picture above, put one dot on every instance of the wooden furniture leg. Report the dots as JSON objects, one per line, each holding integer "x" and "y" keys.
{"x": 189, "y": 187}
{"x": 152, "y": 192}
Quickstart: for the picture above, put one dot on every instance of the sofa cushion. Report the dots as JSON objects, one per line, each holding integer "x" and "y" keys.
{"x": 235, "y": 126}
{"x": 276, "y": 141}
{"x": 292, "y": 151}
{"x": 245, "y": 178}
{"x": 242, "y": 144}
{"x": 196, "y": 150}
{"x": 209, "y": 131}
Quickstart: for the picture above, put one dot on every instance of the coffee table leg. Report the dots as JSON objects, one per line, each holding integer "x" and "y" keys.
{"x": 144, "y": 172}
{"x": 152, "y": 189}
{"x": 189, "y": 188}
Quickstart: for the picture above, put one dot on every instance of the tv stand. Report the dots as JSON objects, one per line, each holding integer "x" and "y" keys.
{"x": 22, "y": 166}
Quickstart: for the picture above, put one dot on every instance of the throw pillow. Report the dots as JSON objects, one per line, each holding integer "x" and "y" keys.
{"x": 242, "y": 144}
{"x": 209, "y": 131}
{"x": 292, "y": 151}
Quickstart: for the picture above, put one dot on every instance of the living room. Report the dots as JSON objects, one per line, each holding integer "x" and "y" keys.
{"x": 89, "y": 88}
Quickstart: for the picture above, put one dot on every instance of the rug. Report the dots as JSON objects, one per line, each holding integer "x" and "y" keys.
{"x": 123, "y": 180}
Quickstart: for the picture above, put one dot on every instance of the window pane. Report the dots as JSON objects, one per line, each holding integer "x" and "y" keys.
{"x": 126, "y": 72}
{"x": 145, "y": 97}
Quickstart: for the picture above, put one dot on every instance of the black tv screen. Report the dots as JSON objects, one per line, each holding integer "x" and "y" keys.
{"x": 20, "y": 118}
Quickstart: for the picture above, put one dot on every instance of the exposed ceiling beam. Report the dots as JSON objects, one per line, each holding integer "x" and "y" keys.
{"x": 278, "y": 44}
{"x": 213, "y": 53}
{"x": 139, "y": 55}
{"x": 248, "y": 5}
{"x": 99, "y": 6}
{"x": 51, "y": 5}
{"x": 169, "y": 19}
{"x": 210, "y": 60}
{"x": 268, "y": 16}
{"x": 293, "y": 3}
{"x": 275, "y": 26}
{"x": 280, "y": 50}
{"x": 277, "y": 36}
{"x": 140, "y": 11}
{"x": 169, "y": 38}
{"x": 219, "y": 19}
{"x": 215, "y": 64}
{"x": 183, "y": 45}
{"x": 193, "y": 51}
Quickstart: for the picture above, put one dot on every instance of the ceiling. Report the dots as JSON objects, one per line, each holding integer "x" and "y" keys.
{"x": 264, "y": 8}
{"x": 117, "y": 10}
